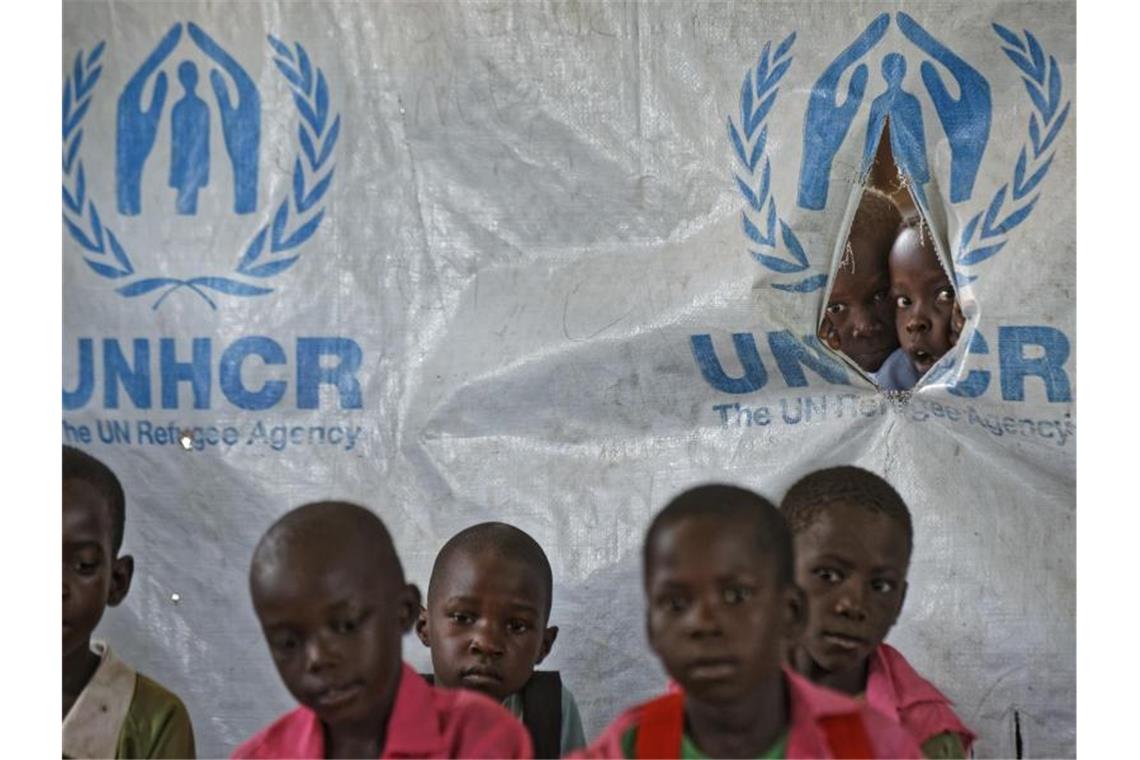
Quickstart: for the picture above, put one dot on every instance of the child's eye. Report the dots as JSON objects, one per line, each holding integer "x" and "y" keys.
{"x": 736, "y": 594}
{"x": 835, "y": 308}
{"x": 883, "y": 586}
{"x": 86, "y": 567}
{"x": 945, "y": 295}
{"x": 283, "y": 642}
{"x": 673, "y": 603}
{"x": 462, "y": 618}
{"x": 828, "y": 575}
{"x": 518, "y": 627}
{"x": 881, "y": 296}
{"x": 902, "y": 302}
{"x": 344, "y": 626}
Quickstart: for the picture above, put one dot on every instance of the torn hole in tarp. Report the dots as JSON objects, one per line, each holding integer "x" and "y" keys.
{"x": 891, "y": 310}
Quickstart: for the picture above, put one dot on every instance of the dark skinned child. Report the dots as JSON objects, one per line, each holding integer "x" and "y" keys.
{"x": 927, "y": 317}
{"x": 853, "y": 538}
{"x": 486, "y": 619}
{"x": 331, "y": 597}
{"x": 109, "y": 710}
{"x": 722, "y": 610}
{"x": 859, "y": 318}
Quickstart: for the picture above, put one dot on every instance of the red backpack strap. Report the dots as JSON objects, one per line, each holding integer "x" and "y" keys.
{"x": 661, "y": 727}
{"x": 847, "y": 736}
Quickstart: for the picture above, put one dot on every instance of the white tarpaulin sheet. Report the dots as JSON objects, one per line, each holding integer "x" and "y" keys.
{"x": 550, "y": 263}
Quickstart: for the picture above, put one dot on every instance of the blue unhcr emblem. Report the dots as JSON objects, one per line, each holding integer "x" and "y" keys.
{"x": 137, "y": 128}
{"x": 965, "y": 120}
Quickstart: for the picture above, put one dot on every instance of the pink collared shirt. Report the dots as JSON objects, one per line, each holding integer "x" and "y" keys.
{"x": 806, "y": 739}
{"x": 895, "y": 689}
{"x": 426, "y": 721}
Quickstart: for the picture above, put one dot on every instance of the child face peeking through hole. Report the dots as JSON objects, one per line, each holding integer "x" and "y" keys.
{"x": 859, "y": 318}
{"x": 719, "y": 612}
{"x": 927, "y": 316}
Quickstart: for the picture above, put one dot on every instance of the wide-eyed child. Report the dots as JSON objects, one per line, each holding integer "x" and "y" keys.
{"x": 722, "y": 608}
{"x": 859, "y": 318}
{"x": 853, "y": 540}
{"x": 487, "y": 624}
{"x": 329, "y": 591}
{"x": 927, "y": 317}
{"x": 109, "y": 709}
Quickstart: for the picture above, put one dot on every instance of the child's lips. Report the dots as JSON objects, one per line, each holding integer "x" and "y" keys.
{"x": 713, "y": 669}
{"x": 921, "y": 355}
{"x": 337, "y": 696}
{"x": 843, "y": 641}
{"x": 480, "y": 676}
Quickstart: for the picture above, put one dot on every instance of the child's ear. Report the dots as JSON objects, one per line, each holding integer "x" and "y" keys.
{"x": 122, "y": 570}
{"x": 795, "y": 612}
{"x": 409, "y": 607}
{"x": 548, "y": 637}
{"x": 422, "y": 627}
{"x": 902, "y": 601}
{"x": 957, "y": 322}
{"x": 828, "y": 334}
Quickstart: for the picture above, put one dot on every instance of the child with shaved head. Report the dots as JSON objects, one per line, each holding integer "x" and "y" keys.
{"x": 486, "y": 618}
{"x": 853, "y": 540}
{"x": 722, "y": 610}
{"x": 330, "y": 593}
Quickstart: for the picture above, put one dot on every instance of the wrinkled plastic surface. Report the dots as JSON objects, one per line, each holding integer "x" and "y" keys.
{"x": 532, "y": 214}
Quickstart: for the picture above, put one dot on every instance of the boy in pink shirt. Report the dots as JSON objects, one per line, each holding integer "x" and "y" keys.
{"x": 853, "y": 539}
{"x": 722, "y": 609}
{"x": 330, "y": 593}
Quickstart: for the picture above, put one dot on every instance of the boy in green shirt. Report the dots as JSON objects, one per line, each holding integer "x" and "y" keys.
{"x": 109, "y": 710}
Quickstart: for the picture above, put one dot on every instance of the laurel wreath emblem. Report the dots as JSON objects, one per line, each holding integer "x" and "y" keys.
{"x": 1043, "y": 83}
{"x": 750, "y": 140}
{"x": 317, "y": 136}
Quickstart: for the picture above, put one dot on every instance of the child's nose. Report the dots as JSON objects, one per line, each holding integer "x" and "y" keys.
{"x": 850, "y": 603}
{"x": 918, "y": 322}
{"x": 703, "y": 619}
{"x": 487, "y": 641}
{"x": 864, "y": 324}
{"x": 318, "y": 655}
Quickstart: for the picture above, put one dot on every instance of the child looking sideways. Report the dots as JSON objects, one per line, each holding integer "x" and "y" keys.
{"x": 859, "y": 318}
{"x": 109, "y": 710}
{"x": 722, "y": 609}
{"x": 330, "y": 593}
{"x": 853, "y": 540}
{"x": 486, "y": 618}
{"x": 927, "y": 318}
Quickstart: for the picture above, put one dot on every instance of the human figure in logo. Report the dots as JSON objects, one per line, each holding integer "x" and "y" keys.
{"x": 908, "y": 138}
{"x": 241, "y": 119}
{"x": 965, "y": 119}
{"x": 189, "y": 142}
{"x": 826, "y": 122}
{"x": 137, "y": 127}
